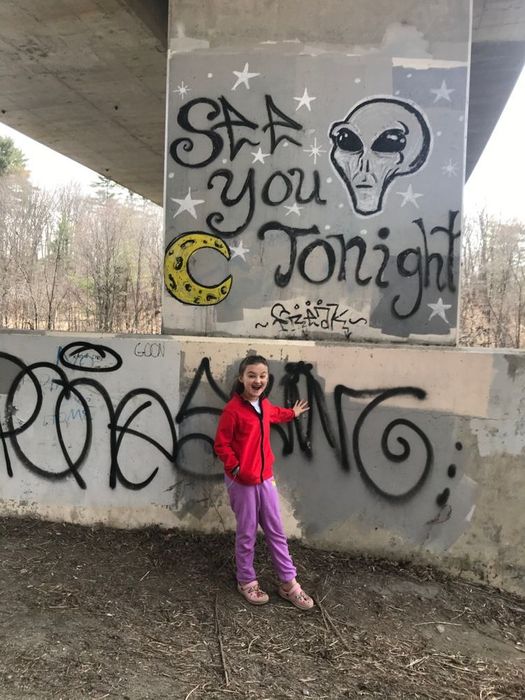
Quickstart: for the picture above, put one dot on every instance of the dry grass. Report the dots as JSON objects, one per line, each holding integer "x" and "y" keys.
{"x": 100, "y": 613}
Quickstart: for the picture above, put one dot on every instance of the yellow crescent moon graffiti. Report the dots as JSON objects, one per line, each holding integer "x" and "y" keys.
{"x": 177, "y": 278}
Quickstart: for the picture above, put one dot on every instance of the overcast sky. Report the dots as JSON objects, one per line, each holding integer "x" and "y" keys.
{"x": 496, "y": 183}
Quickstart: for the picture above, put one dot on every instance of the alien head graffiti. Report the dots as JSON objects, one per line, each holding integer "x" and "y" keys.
{"x": 380, "y": 139}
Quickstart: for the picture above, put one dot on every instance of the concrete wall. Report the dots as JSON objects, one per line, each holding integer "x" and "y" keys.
{"x": 412, "y": 452}
{"x": 407, "y": 451}
{"x": 315, "y": 159}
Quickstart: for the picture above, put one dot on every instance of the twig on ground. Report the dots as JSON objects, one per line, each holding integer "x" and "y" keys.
{"x": 253, "y": 640}
{"x": 328, "y": 621}
{"x": 415, "y": 662}
{"x": 455, "y": 624}
{"x": 219, "y": 637}
{"x": 192, "y": 691}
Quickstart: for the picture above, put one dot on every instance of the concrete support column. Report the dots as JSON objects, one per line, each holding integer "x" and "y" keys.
{"x": 315, "y": 159}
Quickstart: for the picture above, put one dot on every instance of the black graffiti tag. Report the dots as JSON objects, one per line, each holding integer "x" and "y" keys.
{"x": 199, "y": 117}
{"x": 324, "y": 316}
{"x": 427, "y": 269}
{"x": 298, "y": 381}
{"x": 10, "y": 434}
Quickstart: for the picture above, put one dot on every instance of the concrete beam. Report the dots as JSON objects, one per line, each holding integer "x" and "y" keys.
{"x": 88, "y": 77}
{"x": 495, "y": 67}
{"x": 154, "y": 15}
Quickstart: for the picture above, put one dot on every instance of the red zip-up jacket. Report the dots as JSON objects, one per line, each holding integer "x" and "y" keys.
{"x": 243, "y": 438}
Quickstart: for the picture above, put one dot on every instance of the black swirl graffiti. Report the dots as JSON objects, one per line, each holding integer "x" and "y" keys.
{"x": 315, "y": 397}
{"x": 89, "y": 357}
{"x": 185, "y": 412}
{"x": 298, "y": 381}
{"x": 396, "y": 457}
{"x": 67, "y": 389}
{"x": 294, "y": 371}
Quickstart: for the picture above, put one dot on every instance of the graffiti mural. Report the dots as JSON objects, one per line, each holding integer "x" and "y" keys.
{"x": 297, "y": 201}
{"x": 71, "y": 400}
{"x": 178, "y": 279}
{"x": 319, "y": 315}
{"x": 379, "y": 140}
{"x": 131, "y": 423}
{"x": 65, "y": 393}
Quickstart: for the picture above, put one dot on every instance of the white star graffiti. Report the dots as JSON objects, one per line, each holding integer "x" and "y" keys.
{"x": 259, "y": 156}
{"x": 244, "y": 77}
{"x": 439, "y": 309}
{"x": 304, "y": 101}
{"x": 294, "y": 209}
{"x": 239, "y": 251}
{"x": 450, "y": 169}
{"x": 187, "y": 204}
{"x": 182, "y": 90}
{"x": 442, "y": 92}
{"x": 314, "y": 150}
{"x": 410, "y": 196}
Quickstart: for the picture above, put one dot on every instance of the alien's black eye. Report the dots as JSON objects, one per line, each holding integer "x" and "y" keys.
{"x": 390, "y": 141}
{"x": 349, "y": 141}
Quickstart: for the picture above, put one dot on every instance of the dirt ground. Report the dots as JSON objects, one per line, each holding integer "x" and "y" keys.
{"x": 101, "y": 613}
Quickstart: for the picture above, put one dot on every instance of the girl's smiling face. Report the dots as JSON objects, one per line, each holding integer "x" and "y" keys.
{"x": 254, "y": 380}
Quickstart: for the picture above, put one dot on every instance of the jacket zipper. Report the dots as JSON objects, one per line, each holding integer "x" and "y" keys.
{"x": 262, "y": 438}
{"x": 261, "y": 424}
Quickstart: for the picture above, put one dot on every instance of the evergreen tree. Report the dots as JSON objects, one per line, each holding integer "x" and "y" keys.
{"x": 12, "y": 159}
{"x": 105, "y": 188}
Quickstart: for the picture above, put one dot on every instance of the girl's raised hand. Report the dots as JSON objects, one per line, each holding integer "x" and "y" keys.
{"x": 300, "y": 407}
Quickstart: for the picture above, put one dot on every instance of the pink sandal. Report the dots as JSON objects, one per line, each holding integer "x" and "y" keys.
{"x": 296, "y": 596}
{"x": 252, "y": 593}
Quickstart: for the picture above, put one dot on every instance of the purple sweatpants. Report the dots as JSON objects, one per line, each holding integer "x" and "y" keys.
{"x": 253, "y": 506}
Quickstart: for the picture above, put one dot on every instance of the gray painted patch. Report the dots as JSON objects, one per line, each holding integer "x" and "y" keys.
{"x": 405, "y": 465}
{"x": 515, "y": 365}
{"x": 8, "y": 372}
{"x": 265, "y": 151}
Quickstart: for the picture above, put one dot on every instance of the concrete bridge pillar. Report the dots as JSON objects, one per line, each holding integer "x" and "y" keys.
{"x": 315, "y": 161}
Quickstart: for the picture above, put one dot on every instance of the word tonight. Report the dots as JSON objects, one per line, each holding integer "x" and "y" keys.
{"x": 329, "y": 258}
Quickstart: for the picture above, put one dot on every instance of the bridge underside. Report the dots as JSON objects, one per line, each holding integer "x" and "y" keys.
{"x": 88, "y": 79}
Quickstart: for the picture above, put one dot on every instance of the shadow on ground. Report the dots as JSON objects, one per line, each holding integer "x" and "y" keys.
{"x": 101, "y": 613}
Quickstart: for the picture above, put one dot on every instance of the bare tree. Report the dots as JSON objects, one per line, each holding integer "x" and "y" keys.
{"x": 71, "y": 262}
{"x": 492, "y": 287}
{"x": 25, "y": 218}
{"x": 57, "y": 258}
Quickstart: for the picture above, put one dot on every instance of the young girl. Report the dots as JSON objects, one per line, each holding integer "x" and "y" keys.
{"x": 243, "y": 445}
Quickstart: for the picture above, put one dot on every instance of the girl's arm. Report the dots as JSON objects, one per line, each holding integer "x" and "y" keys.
{"x": 285, "y": 415}
{"x": 223, "y": 441}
